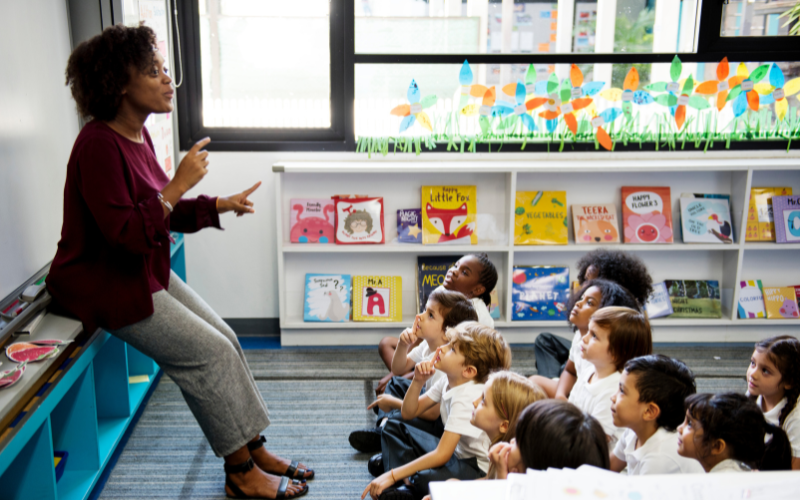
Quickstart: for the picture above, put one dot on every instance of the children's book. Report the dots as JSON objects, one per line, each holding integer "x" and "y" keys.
{"x": 540, "y": 293}
{"x": 647, "y": 214}
{"x": 409, "y": 225}
{"x": 449, "y": 215}
{"x": 327, "y": 298}
{"x": 781, "y": 302}
{"x": 377, "y": 298}
{"x": 706, "y": 220}
{"x": 595, "y": 224}
{"x": 714, "y": 197}
{"x": 431, "y": 270}
{"x": 494, "y": 307}
{"x": 786, "y": 210}
{"x": 540, "y": 218}
{"x": 311, "y": 221}
{"x": 694, "y": 299}
{"x": 359, "y": 220}
{"x": 751, "y": 300}
{"x": 658, "y": 304}
{"x": 760, "y": 221}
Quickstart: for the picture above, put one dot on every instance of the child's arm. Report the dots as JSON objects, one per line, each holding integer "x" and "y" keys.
{"x": 386, "y": 403}
{"x": 400, "y": 362}
{"x": 432, "y": 460}
{"x": 566, "y": 381}
{"x": 616, "y": 464}
{"x": 413, "y": 404}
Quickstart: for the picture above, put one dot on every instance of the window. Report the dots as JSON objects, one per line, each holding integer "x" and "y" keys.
{"x": 324, "y": 75}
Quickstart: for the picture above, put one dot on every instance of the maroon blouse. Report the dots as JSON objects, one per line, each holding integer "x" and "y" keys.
{"x": 114, "y": 248}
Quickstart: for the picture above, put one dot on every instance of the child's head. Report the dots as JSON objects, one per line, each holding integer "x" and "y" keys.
{"x": 653, "y": 388}
{"x": 555, "y": 433}
{"x": 504, "y": 397}
{"x": 621, "y": 267}
{"x": 473, "y": 351}
{"x": 474, "y": 275}
{"x": 596, "y": 294}
{"x": 730, "y": 425}
{"x": 774, "y": 371}
{"x": 445, "y": 309}
{"x": 616, "y": 335}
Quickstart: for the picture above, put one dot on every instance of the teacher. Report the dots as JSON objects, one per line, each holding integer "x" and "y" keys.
{"x": 112, "y": 267}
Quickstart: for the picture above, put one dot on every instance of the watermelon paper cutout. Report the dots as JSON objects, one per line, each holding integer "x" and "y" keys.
{"x": 49, "y": 342}
{"x": 29, "y": 353}
{"x": 11, "y": 377}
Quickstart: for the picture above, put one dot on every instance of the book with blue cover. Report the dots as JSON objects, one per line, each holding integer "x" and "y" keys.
{"x": 327, "y": 298}
{"x": 658, "y": 304}
{"x": 409, "y": 225}
{"x": 540, "y": 293}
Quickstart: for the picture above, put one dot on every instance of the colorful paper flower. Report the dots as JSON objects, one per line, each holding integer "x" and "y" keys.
{"x": 628, "y": 94}
{"x": 648, "y": 228}
{"x": 744, "y": 95}
{"x": 518, "y": 112}
{"x": 465, "y": 78}
{"x": 413, "y": 111}
{"x": 778, "y": 92}
{"x": 600, "y": 121}
{"x": 721, "y": 85}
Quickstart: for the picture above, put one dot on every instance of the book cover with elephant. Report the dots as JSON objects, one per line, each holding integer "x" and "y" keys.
{"x": 647, "y": 215}
{"x": 311, "y": 220}
{"x": 449, "y": 215}
{"x": 595, "y": 224}
{"x": 378, "y": 298}
{"x": 327, "y": 298}
{"x": 540, "y": 218}
{"x": 359, "y": 220}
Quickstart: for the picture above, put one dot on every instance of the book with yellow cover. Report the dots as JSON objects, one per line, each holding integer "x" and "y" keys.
{"x": 540, "y": 218}
{"x": 377, "y": 298}
{"x": 449, "y": 214}
{"x": 781, "y": 302}
{"x": 760, "y": 221}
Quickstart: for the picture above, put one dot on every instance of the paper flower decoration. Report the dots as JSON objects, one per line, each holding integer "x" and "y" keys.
{"x": 674, "y": 86}
{"x": 600, "y": 121}
{"x": 628, "y": 94}
{"x": 465, "y": 78}
{"x": 721, "y": 85}
{"x": 778, "y": 93}
{"x": 685, "y": 99}
{"x": 744, "y": 95}
{"x": 485, "y": 110}
{"x": 413, "y": 111}
{"x": 518, "y": 112}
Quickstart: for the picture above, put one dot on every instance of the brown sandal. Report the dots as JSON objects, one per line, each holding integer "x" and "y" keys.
{"x": 247, "y": 467}
{"x": 292, "y": 471}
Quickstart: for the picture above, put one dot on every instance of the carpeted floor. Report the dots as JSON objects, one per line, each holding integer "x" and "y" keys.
{"x": 316, "y": 397}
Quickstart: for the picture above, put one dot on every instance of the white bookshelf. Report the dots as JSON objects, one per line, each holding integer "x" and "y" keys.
{"x": 586, "y": 180}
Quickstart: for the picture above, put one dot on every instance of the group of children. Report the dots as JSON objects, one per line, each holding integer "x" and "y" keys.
{"x": 451, "y": 408}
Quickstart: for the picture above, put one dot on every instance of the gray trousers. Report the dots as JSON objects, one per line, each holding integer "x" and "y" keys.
{"x": 201, "y": 353}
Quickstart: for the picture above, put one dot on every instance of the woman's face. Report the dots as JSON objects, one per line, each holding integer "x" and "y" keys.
{"x": 152, "y": 91}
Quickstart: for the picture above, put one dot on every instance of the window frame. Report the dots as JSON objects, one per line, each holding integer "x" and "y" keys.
{"x": 710, "y": 48}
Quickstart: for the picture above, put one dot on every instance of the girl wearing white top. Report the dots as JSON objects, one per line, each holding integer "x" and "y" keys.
{"x": 774, "y": 379}
{"x": 727, "y": 433}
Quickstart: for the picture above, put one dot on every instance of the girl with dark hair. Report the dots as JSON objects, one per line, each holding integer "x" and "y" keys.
{"x": 112, "y": 266}
{"x": 727, "y": 433}
{"x": 773, "y": 378}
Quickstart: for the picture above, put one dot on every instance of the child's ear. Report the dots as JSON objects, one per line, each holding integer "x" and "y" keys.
{"x": 719, "y": 447}
{"x": 652, "y": 412}
{"x": 478, "y": 290}
{"x": 504, "y": 427}
{"x": 469, "y": 372}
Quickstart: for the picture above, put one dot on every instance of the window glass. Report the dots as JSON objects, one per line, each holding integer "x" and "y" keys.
{"x": 265, "y": 63}
{"x": 759, "y": 17}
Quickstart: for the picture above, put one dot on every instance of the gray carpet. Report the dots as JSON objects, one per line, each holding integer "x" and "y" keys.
{"x": 315, "y": 400}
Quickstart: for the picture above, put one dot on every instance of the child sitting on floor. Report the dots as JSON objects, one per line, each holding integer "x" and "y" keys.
{"x": 727, "y": 432}
{"x": 475, "y": 276}
{"x": 650, "y": 403}
{"x": 774, "y": 378}
{"x": 616, "y": 335}
{"x": 593, "y": 295}
{"x": 445, "y": 309}
{"x": 473, "y": 351}
{"x": 552, "y": 433}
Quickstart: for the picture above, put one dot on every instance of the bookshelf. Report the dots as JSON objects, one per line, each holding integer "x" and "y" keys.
{"x": 586, "y": 181}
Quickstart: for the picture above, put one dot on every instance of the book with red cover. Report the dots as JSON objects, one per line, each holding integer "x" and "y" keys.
{"x": 359, "y": 220}
{"x": 647, "y": 214}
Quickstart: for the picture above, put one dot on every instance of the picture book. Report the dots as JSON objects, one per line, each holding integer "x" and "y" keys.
{"x": 540, "y": 218}
{"x": 540, "y": 293}
{"x": 595, "y": 224}
{"x": 359, "y": 220}
{"x": 781, "y": 302}
{"x": 797, "y": 293}
{"x": 647, "y": 214}
{"x": 449, "y": 215}
{"x": 327, "y": 298}
{"x": 658, "y": 304}
{"x": 311, "y": 220}
{"x": 751, "y": 300}
{"x": 706, "y": 220}
{"x": 494, "y": 307}
{"x": 431, "y": 270}
{"x": 714, "y": 197}
{"x": 694, "y": 299}
{"x": 377, "y": 298}
{"x": 409, "y": 225}
{"x": 786, "y": 210}
{"x": 760, "y": 221}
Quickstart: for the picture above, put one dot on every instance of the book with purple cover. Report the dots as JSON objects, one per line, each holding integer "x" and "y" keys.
{"x": 409, "y": 225}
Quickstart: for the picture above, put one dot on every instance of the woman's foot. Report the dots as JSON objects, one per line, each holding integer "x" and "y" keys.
{"x": 273, "y": 464}
{"x": 256, "y": 483}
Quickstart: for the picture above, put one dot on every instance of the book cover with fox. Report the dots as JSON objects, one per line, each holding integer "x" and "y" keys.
{"x": 449, "y": 215}
{"x": 595, "y": 224}
{"x": 540, "y": 218}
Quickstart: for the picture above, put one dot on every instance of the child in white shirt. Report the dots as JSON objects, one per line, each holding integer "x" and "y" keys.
{"x": 615, "y": 335}
{"x": 774, "y": 377}
{"x": 650, "y": 404}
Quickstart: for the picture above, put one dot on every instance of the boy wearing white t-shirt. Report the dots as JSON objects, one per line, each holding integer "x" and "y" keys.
{"x": 412, "y": 458}
{"x": 650, "y": 404}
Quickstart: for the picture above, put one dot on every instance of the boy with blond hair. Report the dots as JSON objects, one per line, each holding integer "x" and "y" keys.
{"x": 412, "y": 458}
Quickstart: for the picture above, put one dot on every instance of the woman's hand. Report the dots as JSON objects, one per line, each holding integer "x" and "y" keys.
{"x": 238, "y": 202}
{"x": 193, "y": 166}
{"x": 376, "y": 487}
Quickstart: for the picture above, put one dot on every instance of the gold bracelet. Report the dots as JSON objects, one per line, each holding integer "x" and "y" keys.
{"x": 393, "y": 479}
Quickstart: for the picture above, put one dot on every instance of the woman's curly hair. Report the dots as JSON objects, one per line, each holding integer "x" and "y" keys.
{"x": 99, "y": 68}
{"x": 621, "y": 267}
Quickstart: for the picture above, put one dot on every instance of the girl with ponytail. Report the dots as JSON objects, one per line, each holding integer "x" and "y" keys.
{"x": 773, "y": 380}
